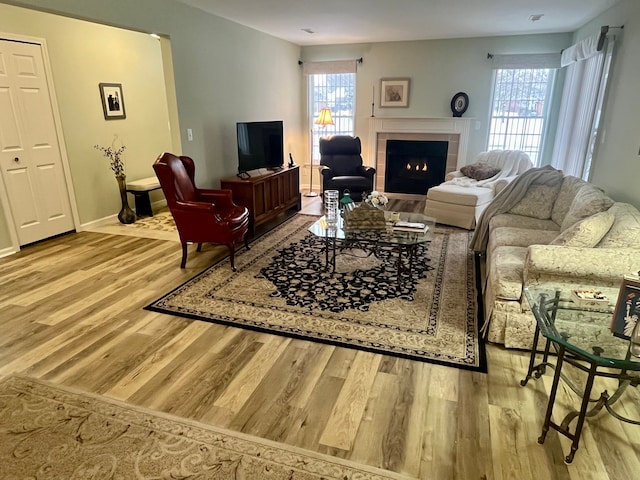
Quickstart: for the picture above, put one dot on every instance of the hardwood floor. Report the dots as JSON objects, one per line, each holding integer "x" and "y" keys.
{"x": 71, "y": 312}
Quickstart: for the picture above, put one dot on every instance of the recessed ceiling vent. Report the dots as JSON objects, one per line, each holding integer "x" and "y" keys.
{"x": 536, "y": 17}
{"x": 308, "y": 30}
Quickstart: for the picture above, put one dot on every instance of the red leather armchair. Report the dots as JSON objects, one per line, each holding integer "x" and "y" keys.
{"x": 201, "y": 216}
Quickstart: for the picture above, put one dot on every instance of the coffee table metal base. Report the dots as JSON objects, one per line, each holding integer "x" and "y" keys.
{"x": 404, "y": 262}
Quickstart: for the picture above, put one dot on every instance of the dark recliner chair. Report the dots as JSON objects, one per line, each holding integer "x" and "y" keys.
{"x": 342, "y": 167}
{"x": 201, "y": 216}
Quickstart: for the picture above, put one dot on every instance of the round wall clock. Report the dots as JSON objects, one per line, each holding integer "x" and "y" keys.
{"x": 459, "y": 104}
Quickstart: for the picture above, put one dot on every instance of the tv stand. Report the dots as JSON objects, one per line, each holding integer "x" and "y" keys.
{"x": 266, "y": 196}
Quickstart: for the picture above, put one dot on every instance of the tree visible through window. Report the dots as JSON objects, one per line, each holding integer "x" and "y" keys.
{"x": 519, "y": 111}
{"x": 335, "y": 91}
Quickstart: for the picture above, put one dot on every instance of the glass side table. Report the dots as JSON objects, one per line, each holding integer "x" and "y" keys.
{"x": 581, "y": 337}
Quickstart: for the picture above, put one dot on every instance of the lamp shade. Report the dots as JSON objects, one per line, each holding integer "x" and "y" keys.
{"x": 324, "y": 118}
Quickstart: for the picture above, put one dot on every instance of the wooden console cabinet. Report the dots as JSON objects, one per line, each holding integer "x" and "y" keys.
{"x": 266, "y": 196}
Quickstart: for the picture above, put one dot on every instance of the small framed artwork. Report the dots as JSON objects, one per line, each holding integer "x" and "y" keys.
{"x": 394, "y": 92}
{"x": 627, "y": 308}
{"x": 112, "y": 101}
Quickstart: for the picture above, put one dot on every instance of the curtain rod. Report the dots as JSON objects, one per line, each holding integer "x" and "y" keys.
{"x": 603, "y": 34}
{"x": 359, "y": 60}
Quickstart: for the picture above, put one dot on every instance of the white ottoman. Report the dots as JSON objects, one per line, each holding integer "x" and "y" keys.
{"x": 457, "y": 205}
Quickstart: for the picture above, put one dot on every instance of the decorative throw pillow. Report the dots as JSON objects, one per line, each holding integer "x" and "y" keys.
{"x": 588, "y": 201}
{"x": 479, "y": 171}
{"x": 537, "y": 202}
{"x": 587, "y": 232}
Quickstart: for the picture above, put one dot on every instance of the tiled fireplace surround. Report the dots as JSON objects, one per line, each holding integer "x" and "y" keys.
{"x": 453, "y": 130}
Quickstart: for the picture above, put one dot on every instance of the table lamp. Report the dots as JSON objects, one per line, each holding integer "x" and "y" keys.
{"x": 324, "y": 119}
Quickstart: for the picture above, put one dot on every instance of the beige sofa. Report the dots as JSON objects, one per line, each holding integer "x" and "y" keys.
{"x": 560, "y": 231}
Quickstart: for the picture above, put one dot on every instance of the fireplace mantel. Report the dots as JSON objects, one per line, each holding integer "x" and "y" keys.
{"x": 437, "y": 125}
{"x": 452, "y": 129}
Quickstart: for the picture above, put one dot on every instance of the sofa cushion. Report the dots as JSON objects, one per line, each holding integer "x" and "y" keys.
{"x": 520, "y": 221}
{"x": 568, "y": 190}
{"x": 625, "y": 231}
{"x": 460, "y": 195}
{"x": 537, "y": 201}
{"x": 519, "y": 237}
{"x": 588, "y": 201}
{"x": 505, "y": 270}
{"x": 587, "y": 232}
{"x": 480, "y": 170}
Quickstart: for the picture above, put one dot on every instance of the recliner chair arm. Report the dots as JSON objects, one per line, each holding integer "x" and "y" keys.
{"x": 326, "y": 171}
{"x": 367, "y": 171}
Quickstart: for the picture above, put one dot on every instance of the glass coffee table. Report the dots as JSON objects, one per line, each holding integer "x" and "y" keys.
{"x": 580, "y": 336}
{"x": 338, "y": 239}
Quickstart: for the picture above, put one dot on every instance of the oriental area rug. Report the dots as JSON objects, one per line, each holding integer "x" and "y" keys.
{"x": 51, "y": 432}
{"x": 283, "y": 287}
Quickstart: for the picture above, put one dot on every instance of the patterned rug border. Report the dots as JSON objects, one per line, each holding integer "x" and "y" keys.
{"x": 288, "y": 456}
{"x": 472, "y": 304}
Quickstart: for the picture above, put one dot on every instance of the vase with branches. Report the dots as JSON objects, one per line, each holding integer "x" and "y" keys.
{"x": 115, "y": 156}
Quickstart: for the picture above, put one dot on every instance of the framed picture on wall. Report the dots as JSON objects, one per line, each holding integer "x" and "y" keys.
{"x": 112, "y": 101}
{"x": 394, "y": 92}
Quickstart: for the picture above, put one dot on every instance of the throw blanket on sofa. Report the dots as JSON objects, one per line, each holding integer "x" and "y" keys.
{"x": 509, "y": 197}
{"x": 510, "y": 163}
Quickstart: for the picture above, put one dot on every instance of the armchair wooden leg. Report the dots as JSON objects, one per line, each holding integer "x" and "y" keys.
{"x": 184, "y": 255}
{"x": 246, "y": 241}
{"x": 232, "y": 254}
{"x": 199, "y": 249}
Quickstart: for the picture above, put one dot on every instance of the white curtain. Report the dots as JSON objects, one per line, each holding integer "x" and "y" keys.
{"x": 525, "y": 60}
{"x": 336, "y": 66}
{"x": 587, "y": 72}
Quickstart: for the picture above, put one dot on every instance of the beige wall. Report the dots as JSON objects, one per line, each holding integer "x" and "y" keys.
{"x": 82, "y": 55}
{"x": 438, "y": 69}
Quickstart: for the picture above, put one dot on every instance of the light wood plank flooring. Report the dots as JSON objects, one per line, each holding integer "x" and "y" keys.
{"x": 71, "y": 312}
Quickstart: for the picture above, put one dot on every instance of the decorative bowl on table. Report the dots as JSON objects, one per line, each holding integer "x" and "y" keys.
{"x": 589, "y": 297}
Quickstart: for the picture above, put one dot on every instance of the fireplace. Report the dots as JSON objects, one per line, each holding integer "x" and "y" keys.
{"x": 414, "y": 166}
{"x": 452, "y": 130}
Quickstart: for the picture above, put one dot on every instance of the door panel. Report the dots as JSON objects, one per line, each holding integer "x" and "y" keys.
{"x": 21, "y": 192}
{"x": 30, "y": 158}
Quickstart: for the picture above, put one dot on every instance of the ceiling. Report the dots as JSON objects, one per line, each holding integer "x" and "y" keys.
{"x": 368, "y": 21}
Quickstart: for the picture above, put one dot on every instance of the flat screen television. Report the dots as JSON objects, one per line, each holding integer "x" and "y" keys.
{"x": 260, "y": 145}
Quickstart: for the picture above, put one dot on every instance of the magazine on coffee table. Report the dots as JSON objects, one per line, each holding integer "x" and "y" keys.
{"x": 417, "y": 227}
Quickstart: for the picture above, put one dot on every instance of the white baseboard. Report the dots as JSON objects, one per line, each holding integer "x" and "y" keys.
{"x": 5, "y": 252}
{"x": 157, "y": 205}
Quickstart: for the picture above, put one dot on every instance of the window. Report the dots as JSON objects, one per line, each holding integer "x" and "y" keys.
{"x": 335, "y": 91}
{"x": 519, "y": 112}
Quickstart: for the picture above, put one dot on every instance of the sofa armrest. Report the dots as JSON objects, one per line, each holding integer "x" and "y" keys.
{"x": 452, "y": 175}
{"x": 598, "y": 266}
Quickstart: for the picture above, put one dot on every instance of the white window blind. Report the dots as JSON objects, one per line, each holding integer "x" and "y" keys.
{"x": 520, "y": 102}
{"x": 582, "y": 103}
{"x": 331, "y": 85}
